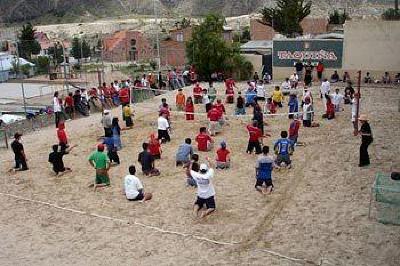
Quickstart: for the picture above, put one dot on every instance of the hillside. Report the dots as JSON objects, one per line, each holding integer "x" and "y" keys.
{"x": 64, "y": 11}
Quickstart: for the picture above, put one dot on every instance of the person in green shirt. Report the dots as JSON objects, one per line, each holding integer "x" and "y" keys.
{"x": 212, "y": 92}
{"x": 99, "y": 161}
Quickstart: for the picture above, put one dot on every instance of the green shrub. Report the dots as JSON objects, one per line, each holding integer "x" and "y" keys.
{"x": 391, "y": 14}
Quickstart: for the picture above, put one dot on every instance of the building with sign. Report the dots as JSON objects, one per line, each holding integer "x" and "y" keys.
{"x": 286, "y": 52}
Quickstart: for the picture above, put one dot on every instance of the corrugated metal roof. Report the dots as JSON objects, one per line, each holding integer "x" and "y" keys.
{"x": 256, "y": 45}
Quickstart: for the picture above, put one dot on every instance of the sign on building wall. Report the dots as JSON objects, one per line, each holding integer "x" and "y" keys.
{"x": 287, "y": 52}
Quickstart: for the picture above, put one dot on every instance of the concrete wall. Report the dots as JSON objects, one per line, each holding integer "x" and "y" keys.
{"x": 372, "y": 45}
{"x": 256, "y": 60}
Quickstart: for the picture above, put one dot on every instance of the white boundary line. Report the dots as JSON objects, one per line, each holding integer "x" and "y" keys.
{"x": 123, "y": 221}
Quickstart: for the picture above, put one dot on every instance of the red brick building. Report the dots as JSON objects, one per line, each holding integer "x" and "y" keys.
{"x": 127, "y": 45}
{"x": 259, "y": 31}
{"x": 173, "y": 50}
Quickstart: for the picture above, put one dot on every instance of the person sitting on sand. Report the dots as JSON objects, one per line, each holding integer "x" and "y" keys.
{"x": 99, "y": 161}
{"x": 368, "y": 78}
{"x": 264, "y": 167}
{"x": 284, "y": 148}
{"x": 205, "y": 191}
{"x": 204, "y": 141}
{"x": 185, "y": 150}
{"x": 147, "y": 161}
{"x": 335, "y": 77}
{"x": 133, "y": 187}
{"x": 386, "y": 78}
{"x": 223, "y": 160}
{"x": 255, "y": 138}
{"x": 56, "y": 159}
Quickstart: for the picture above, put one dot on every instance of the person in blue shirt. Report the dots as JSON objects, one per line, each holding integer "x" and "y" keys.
{"x": 284, "y": 147}
{"x": 251, "y": 95}
{"x": 293, "y": 105}
{"x": 264, "y": 167}
{"x": 112, "y": 151}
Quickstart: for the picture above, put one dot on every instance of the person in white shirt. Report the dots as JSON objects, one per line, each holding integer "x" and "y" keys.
{"x": 294, "y": 80}
{"x": 115, "y": 85}
{"x": 163, "y": 128}
{"x": 325, "y": 89}
{"x": 354, "y": 104}
{"x": 260, "y": 91}
{"x": 57, "y": 108}
{"x": 307, "y": 94}
{"x": 337, "y": 99}
{"x": 286, "y": 84}
{"x": 205, "y": 190}
{"x": 133, "y": 187}
{"x": 144, "y": 81}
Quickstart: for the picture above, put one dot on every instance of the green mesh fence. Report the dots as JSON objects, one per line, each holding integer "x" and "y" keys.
{"x": 386, "y": 192}
{"x": 140, "y": 95}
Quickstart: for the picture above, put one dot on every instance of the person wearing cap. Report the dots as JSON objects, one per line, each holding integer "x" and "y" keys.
{"x": 133, "y": 187}
{"x": 56, "y": 159}
{"x": 106, "y": 120}
{"x": 205, "y": 191}
{"x": 366, "y": 139}
{"x": 294, "y": 128}
{"x": 223, "y": 160}
{"x": 19, "y": 153}
{"x": 264, "y": 167}
{"x": 99, "y": 161}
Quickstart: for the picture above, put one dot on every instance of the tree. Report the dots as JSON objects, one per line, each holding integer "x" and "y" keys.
{"x": 285, "y": 18}
{"x": 337, "y": 18}
{"x": 56, "y": 52}
{"x": 80, "y": 49}
{"x": 27, "y": 44}
{"x": 207, "y": 49}
{"x": 392, "y": 13}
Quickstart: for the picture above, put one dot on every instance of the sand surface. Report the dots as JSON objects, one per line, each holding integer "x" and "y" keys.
{"x": 318, "y": 212}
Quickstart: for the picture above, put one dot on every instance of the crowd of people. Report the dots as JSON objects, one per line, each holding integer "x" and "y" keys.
{"x": 256, "y": 103}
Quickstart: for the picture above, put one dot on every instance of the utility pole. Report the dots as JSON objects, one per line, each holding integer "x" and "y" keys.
{"x": 157, "y": 35}
{"x": 22, "y": 80}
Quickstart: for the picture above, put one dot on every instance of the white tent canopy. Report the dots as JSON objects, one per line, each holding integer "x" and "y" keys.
{"x": 6, "y": 62}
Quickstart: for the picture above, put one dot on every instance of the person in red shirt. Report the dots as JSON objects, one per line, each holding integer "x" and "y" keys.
{"x": 229, "y": 90}
{"x": 255, "y": 137}
{"x": 204, "y": 141}
{"x": 219, "y": 105}
{"x": 320, "y": 70}
{"x": 223, "y": 160}
{"x": 330, "y": 108}
{"x": 108, "y": 91}
{"x": 189, "y": 108}
{"x": 62, "y": 136}
{"x": 155, "y": 147}
{"x": 214, "y": 115}
{"x": 69, "y": 105}
{"x": 197, "y": 93}
{"x": 294, "y": 129}
{"x": 124, "y": 97}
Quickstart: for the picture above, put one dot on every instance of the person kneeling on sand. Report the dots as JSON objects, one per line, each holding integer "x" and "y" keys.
{"x": 133, "y": 187}
{"x": 284, "y": 147}
{"x": 185, "y": 150}
{"x": 223, "y": 160}
{"x": 205, "y": 191}
{"x": 204, "y": 141}
{"x": 101, "y": 163}
{"x": 264, "y": 167}
{"x": 147, "y": 161}
{"x": 56, "y": 159}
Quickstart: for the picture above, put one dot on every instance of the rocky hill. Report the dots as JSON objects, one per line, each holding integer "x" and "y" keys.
{"x": 58, "y": 11}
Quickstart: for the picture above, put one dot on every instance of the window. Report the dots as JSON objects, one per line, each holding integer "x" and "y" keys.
{"x": 179, "y": 36}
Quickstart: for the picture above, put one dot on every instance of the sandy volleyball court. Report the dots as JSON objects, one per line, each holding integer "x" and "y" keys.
{"x": 318, "y": 212}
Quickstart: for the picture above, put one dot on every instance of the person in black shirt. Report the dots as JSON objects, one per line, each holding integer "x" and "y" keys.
{"x": 259, "y": 117}
{"x": 56, "y": 159}
{"x": 299, "y": 69}
{"x": 366, "y": 139}
{"x": 20, "y": 157}
{"x": 240, "y": 110}
{"x": 147, "y": 161}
